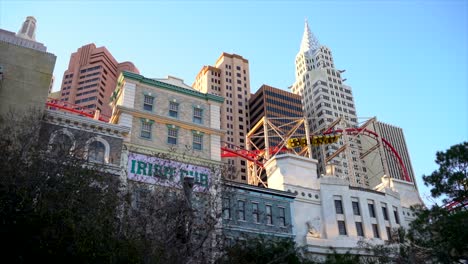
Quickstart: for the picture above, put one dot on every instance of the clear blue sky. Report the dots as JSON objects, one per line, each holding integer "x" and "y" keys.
{"x": 405, "y": 60}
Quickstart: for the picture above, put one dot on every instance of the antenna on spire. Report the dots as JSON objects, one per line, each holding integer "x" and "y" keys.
{"x": 309, "y": 41}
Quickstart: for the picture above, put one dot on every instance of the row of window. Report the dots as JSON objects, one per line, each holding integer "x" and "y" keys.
{"x": 87, "y": 92}
{"x": 62, "y": 143}
{"x": 148, "y": 105}
{"x": 357, "y": 212}
{"x": 87, "y": 86}
{"x": 90, "y": 80}
{"x": 360, "y": 230}
{"x": 86, "y": 99}
{"x": 89, "y": 75}
{"x": 255, "y": 213}
{"x": 90, "y": 69}
{"x": 172, "y": 135}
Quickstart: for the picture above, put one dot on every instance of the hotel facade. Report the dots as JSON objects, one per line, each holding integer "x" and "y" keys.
{"x": 175, "y": 131}
{"x": 230, "y": 78}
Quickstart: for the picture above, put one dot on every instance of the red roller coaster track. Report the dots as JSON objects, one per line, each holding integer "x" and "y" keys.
{"x": 76, "y": 109}
{"x": 355, "y": 131}
{"x": 229, "y": 150}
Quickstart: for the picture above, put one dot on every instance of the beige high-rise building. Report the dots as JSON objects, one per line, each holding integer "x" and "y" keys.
{"x": 229, "y": 77}
{"x": 325, "y": 98}
{"x": 384, "y": 162}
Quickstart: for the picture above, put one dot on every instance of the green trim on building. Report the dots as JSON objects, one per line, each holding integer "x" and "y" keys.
{"x": 146, "y": 120}
{"x": 170, "y": 87}
{"x": 196, "y": 132}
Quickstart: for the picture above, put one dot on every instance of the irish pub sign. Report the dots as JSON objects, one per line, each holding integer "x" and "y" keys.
{"x": 153, "y": 170}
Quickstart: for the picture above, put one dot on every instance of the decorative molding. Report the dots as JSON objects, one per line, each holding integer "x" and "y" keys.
{"x": 171, "y": 87}
{"x": 168, "y": 120}
{"x": 85, "y": 123}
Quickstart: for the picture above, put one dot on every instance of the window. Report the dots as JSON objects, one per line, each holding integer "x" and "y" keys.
{"x": 395, "y": 213}
{"x": 342, "y": 228}
{"x": 241, "y": 210}
{"x": 389, "y": 233}
{"x": 385, "y": 212}
{"x": 356, "y": 210}
{"x": 197, "y": 141}
{"x": 61, "y": 143}
{"x": 282, "y": 216}
{"x": 96, "y": 152}
{"x": 148, "y": 103}
{"x": 255, "y": 217}
{"x": 173, "y": 109}
{"x": 371, "y": 210}
{"x": 338, "y": 207}
{"x": 172, "y": 136}
{"x": 359, "y": 229}
{"x": 269, "y": 217}
{"x": 198, "y": 115}
{"x": 140, "y": 198}
{"x": 145, "y": 129}
{"x": 226, "y": 209}
{"x": 375, "y": 228}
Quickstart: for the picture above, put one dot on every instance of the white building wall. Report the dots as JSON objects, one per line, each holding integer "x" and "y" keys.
{"x": 129, "y": 95}
{"x": 314, "y": 215}
{"x": 291, "y": 169}
{"x": 215, "y": 144}
{"x": 215, "y": 119}
{"x": 125, "y": 120}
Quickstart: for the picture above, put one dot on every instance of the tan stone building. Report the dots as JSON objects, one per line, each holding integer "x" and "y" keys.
{"x": 168, "y": 116}
{"x": 229, "y": 77}
{"x": 25, "y": 69}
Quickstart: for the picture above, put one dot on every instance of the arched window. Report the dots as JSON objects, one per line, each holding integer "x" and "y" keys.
{"x": 97, "y": 150}
{"x": 61, "y": 142}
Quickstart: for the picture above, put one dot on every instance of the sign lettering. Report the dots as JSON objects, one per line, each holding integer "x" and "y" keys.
{"x": 314, "y": 141}
{"x": 164, "y": 172}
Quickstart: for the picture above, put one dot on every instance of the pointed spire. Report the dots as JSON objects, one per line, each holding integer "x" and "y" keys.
{"x": 28, "y": 30}
{"x": 309, "y": 41}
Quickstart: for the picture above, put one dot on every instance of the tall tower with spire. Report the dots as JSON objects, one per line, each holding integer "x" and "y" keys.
{"x": 28, "y": 30}
{"x": 325, "y": 99}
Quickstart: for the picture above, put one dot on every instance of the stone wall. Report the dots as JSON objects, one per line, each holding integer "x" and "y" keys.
{"x": 27, "y": 74}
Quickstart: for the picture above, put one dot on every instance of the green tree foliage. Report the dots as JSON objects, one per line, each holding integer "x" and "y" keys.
{"x": 55, "y": 208}
{"x": 263, "y": 250}
{"x": 438, "y": 234}
{"x": 451, "y": 179}
{"x": 346, "y": 258}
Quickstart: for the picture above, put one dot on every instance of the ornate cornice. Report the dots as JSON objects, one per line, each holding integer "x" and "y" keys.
{"x": 85, "y": 123}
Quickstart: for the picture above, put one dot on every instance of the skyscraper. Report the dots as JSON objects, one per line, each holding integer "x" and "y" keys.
{"x": 91, "y": 78}
{"x": 273, "y": 103}
{"x": 326, "y": 98}
{"x": 384, "y": 162}
{"x": 229, "y": 77}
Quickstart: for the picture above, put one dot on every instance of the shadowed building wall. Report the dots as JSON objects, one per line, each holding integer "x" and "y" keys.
{"x": 25, "y": 70}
